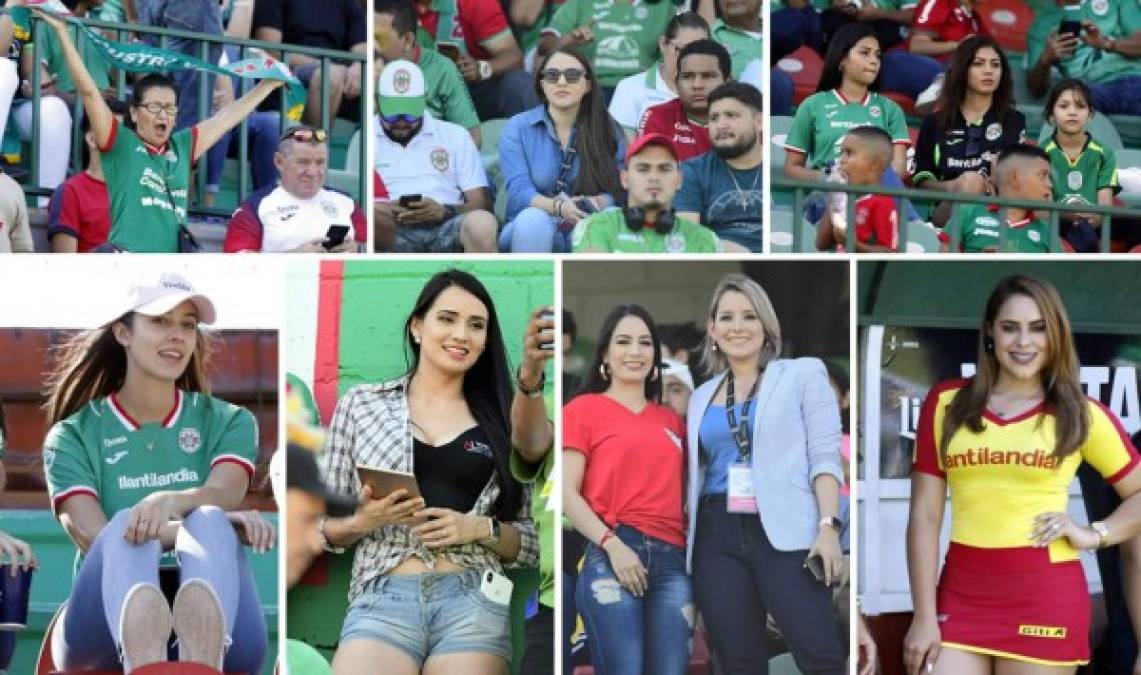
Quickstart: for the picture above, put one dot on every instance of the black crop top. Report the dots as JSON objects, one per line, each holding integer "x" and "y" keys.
{"x": 453, "y": 475}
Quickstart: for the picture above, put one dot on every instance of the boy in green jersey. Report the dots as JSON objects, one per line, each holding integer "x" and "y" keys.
{"x": 1020, "y": 172}
{"x": 648, "y": 223}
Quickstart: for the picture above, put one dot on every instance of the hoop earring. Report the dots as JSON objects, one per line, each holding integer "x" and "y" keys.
{"x": 604, "y": 371}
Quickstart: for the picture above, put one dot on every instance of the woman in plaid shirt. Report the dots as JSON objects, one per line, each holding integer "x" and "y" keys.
{"x": 419, "y": 593}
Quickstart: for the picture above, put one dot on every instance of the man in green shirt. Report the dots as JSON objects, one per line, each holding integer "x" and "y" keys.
{"x": 1021, "y": 172}
{"x": 394, "y": 38}
{"x": 620, "y": 38}
{"x": 739, "y": 29}
{"x": 1106, "y": 53}
{"x": 648, "y": 223}
{"x": 532, "y": 461}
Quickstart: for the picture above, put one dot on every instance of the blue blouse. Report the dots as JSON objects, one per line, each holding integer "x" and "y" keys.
{"x": 530, "y": 156}
{"x": 718, "y": 449}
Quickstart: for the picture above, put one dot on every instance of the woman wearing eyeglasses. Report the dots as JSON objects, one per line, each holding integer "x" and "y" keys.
{"x": 975, "y": 119}
{"x": 145, "y": 161}
{"x": 560, "y": 160}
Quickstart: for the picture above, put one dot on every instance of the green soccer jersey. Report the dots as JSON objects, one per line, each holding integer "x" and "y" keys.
{"x": 824, "y": 118}
{"x": 142, "y": 183}
{"x": 1113, "y": 18}
{"x": 625, "y": 33}
{"x": 542, "y": 512}
{"x": 448, "y": 97}
{"x": 101, "y": 451}
{"x": 97, "y": 65}
{"x": 744, "y": 46}
{"x": 607, "y": 231}
{"x": 1079, "y": 180}
{"x": 978, "y": 228}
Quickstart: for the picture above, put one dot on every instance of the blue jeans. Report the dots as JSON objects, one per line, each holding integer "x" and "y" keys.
{"x": 630, "y": 635}
{"x": 793, "y": 28}
{"x": 263, "y": 141}
{"x": 1119, "y": 96}
{"x": 504, "y": 96}
{"x": 207, "y": 549}
{"x": 908, "y": 73}
{"x": 534, "y": 231}
{"x": 201, "y": 16}
{"x": 738, "y": 577}
{"x": 780, "y": 92}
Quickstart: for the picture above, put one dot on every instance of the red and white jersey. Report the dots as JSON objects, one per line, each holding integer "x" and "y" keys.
{"x": 272, "y": 220}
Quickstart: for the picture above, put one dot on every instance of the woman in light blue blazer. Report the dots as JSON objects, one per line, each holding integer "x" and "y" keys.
{"x": 763, "y": 490}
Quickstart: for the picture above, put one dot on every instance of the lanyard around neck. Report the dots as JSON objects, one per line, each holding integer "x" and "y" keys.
{"x": 741, "y": 432}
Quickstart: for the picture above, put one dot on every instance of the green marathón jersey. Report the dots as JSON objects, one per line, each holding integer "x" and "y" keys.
{"x": 1078, "y": 181}
{"x": 979, "y": 232}
{"x": 606, "y": 231}
{"x": 1113, "y": 18}
{"x": 625, "y": 33}
{"x": 824, "y": 118}
{"x": 142, "y": 183}
{"x": 101, "y": 451}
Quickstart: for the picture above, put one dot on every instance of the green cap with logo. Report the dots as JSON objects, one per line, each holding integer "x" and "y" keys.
{"x": 400, "y": 90}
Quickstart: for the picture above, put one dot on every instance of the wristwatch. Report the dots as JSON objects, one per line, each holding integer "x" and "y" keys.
{"x": 485, "y": 70}
{"x": 832, "y": 522}
{"x": 325, "y": 538}
{"x": 1102, "y": 533}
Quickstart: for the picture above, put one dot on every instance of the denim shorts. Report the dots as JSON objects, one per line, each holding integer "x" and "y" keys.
{"x": 428, "y": 614}
{"x": 442, "y": 238}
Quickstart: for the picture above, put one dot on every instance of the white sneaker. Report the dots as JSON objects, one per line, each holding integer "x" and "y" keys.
{"x": 925, "y": 103}
{"x": 199, "y": 624}
{"x": 144, "y": 627}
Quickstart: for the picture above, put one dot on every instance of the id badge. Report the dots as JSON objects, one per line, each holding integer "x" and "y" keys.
{"x": 742, "y": 498}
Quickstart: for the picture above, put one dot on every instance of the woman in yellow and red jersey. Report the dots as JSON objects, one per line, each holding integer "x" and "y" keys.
{"x": 1012, "y": 598}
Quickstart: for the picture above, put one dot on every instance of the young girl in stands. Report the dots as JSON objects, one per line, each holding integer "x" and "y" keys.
{"x": 144, "y": 469}
{"x": 1085, "y": 170}
{"x": 1006, "y": 444}
{"x": 623, "y": 464}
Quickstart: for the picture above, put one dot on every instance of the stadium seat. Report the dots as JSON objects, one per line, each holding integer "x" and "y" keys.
{"x": 353, "y": 153}
{"x": 904, "y": 101}
{"x": 1101, "y": 127}
{"x": 1008, "y": 21}
{"x": 1129, "y": 127}
{"x": 804, "y": 67}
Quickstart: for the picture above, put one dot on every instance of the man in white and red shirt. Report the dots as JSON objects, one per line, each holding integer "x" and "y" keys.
{"x": 295, "y": 216}
{"x": 703, "y": 65}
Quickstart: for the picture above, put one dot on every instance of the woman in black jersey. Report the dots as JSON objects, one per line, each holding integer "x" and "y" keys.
{"x": 974, "y": 120}
{"x": 427, "y": 593}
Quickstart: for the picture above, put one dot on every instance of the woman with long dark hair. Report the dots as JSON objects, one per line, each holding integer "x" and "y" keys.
{"x": 560, "y": 160}
{"x": 763, "y": 492}
{"x": 1006, "y": 443}
{"x": 975, "y": 119}
{"x": 622, "y": 490}
{"x": 440, "y": 554}
{"x": 846, "y": 97}
{"x": 144, "y": 471}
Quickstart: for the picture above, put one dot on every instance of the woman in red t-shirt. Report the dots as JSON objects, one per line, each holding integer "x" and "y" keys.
{"x": 623, "y": 474}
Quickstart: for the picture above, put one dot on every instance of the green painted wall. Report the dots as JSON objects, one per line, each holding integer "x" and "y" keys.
{"x": 376, "y": 300}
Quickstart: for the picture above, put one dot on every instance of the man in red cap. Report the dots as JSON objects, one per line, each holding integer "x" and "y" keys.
{"x": 648, "y": 222}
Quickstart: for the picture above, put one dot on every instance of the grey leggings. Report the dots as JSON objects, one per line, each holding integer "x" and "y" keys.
{"x": 87, "y": 636}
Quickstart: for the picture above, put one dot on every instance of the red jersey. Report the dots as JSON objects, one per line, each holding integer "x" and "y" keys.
{"x": 669, "y": 119}
{"x": 379, "y": 192}
{"x": 877, "y": 222}
{"x": 947, "y": 21}
{"x": 475, "y": 21}
{"x": 635, "y": 463}
{"x": 81, "y": 208}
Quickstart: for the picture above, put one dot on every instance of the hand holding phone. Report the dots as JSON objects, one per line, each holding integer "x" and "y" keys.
{"x": 547, "y": 335}
{"x": 407, "y": 201}
{"x": 335, "y": 236}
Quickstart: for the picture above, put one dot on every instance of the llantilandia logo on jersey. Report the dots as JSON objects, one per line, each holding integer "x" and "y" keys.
{"x": 157, "y": 480}
{"x": 1037, "y": 459}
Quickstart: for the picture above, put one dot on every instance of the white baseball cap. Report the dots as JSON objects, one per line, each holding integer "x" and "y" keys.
{"x": 679, "y": 370}
{"x": 400, "y": 90}
{"x": 160, "y": 295}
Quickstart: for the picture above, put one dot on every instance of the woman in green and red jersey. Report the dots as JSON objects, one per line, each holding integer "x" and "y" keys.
{"x": 1006, "y": 444}
{"x": 144, "y": 469}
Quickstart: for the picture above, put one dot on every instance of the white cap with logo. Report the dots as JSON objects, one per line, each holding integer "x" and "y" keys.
{"x": 400, "y": 89}
{"x": 158, "y": 296}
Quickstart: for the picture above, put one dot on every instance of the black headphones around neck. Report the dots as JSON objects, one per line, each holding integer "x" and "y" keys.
{"x": 662, "y": 224}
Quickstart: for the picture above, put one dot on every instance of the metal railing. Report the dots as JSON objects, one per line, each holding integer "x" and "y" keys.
{"x": 122, "y": 32}
{"x": 800, "y": 189}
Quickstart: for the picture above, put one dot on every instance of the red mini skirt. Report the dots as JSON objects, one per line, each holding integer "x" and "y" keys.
{"x": 1014, "y": 603}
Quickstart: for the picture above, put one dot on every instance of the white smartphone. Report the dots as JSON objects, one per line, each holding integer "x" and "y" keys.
{"x": 495, "y": 587}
